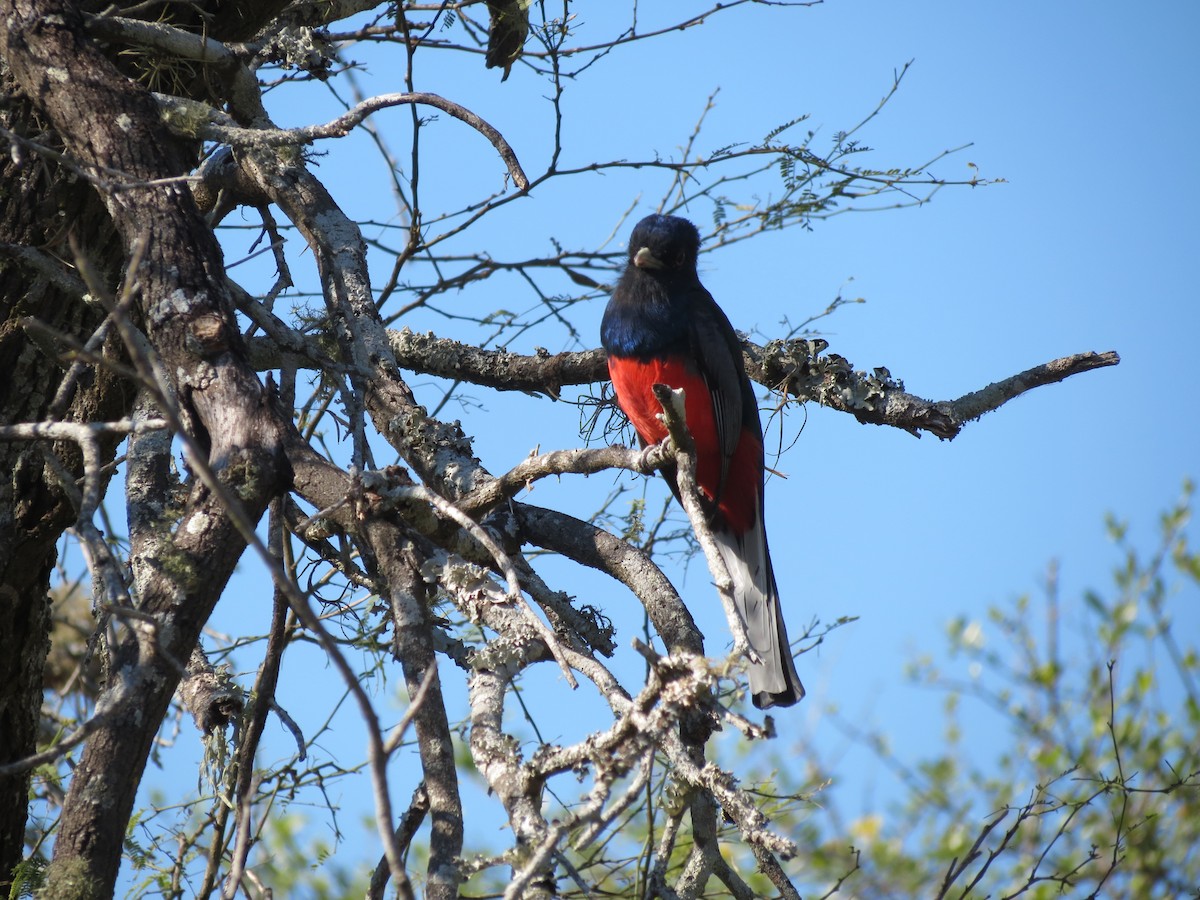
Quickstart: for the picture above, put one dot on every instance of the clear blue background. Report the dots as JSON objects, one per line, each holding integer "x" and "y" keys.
{"x": 1086, "y": 110}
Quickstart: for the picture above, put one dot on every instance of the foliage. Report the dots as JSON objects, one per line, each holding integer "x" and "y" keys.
{"x": 1071, "y": 760}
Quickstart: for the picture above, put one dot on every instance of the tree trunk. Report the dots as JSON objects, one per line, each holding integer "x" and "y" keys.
{"x": 109, "y": 126}
{"x": 39, "y": 206}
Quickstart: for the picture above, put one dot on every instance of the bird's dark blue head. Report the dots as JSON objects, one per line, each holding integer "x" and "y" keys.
{"x": 664, "y": 244}
{"x": 651, "y": 309}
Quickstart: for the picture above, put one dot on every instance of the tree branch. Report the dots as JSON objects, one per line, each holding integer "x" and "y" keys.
{"x": 798, "y": 368}
{"x": 192, "y": 118}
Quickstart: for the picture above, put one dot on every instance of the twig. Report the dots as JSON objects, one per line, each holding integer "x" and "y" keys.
{"x": 958, "y": 865}
{"x": 672, "y": 402}
{"x": 59, "y": 750}
{"x": 406, "y": 830}
{"x": 562, "y": 462}
{"x": 971, "y": 406}
{"x": 537, "y": 862}
{"x": 195, "y": 119}
{"x": 396, "y": 737}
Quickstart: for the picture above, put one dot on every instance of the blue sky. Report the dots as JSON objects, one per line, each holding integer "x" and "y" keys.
{"x": 1086, "y": 110}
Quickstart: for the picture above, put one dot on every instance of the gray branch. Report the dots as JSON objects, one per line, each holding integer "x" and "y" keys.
{"x": 800, "y": 369}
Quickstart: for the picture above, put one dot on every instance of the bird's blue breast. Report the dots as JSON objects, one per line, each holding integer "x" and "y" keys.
{"x": 643, "y": 323}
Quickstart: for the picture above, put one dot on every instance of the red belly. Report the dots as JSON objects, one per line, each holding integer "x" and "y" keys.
{"x": 743, "y": 480}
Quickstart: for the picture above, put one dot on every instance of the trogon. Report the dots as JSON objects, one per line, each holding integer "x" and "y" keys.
{"x": 662, "y": 326}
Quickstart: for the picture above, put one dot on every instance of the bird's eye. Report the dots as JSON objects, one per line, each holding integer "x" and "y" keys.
{"x": 679, "y": 258}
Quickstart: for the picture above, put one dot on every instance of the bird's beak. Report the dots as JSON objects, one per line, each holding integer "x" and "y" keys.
{"x": 644, "y": 259}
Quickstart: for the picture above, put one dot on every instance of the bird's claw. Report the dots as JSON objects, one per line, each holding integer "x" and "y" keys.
{"x": 651, "y": 456}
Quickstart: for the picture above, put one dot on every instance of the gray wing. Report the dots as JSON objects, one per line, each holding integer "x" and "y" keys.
{"x": 718, "y": 354}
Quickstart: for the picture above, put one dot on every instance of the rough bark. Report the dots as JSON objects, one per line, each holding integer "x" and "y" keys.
{"x": 110, "y": 126}
{"x": 39, "y": 206}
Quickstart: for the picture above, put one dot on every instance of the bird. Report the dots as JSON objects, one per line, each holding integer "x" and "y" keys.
{"x": 508, "y": 27}
{"x": 661, "y": 326}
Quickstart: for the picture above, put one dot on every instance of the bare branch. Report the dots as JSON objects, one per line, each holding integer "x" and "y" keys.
{"x": 195, "y": 119}
{"x": 596, "y": 548}
{"x": 797, "y": 368}
{"x": 561, "y": 462}
{"x": 972, "y": 406}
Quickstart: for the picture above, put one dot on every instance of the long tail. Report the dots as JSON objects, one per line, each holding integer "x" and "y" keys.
{"x": 773, "y": 682}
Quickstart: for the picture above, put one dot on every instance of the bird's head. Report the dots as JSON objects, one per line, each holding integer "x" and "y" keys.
{"x": 664, "y": 243}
